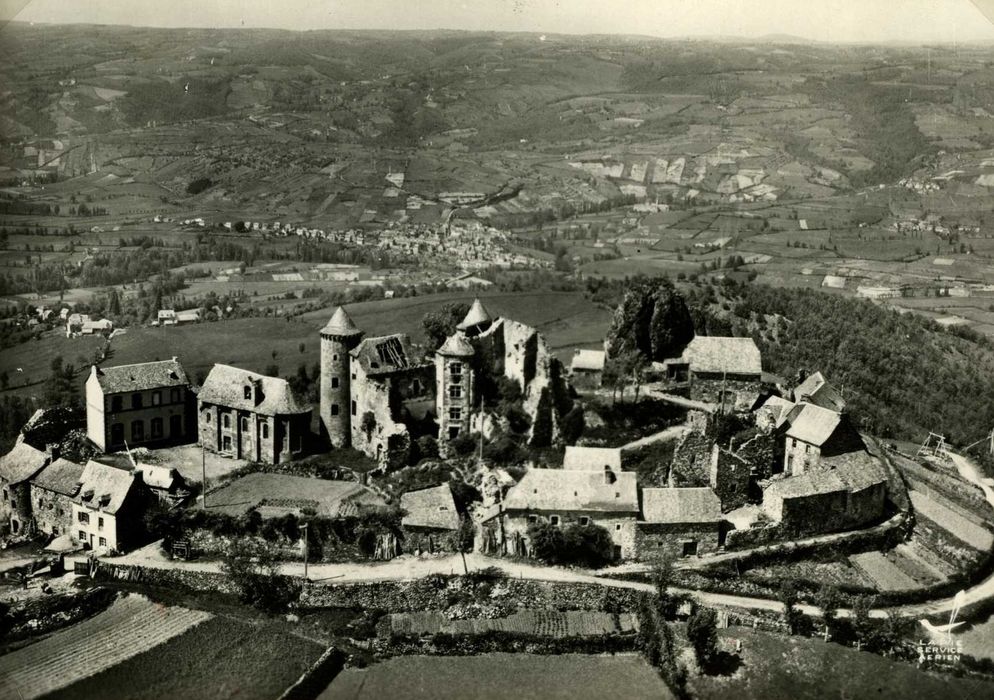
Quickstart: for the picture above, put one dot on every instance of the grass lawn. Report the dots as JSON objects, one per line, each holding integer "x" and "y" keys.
{"x": 794, "y": 668}
{"x": 220, "y": 658}
{"x": 501, "y": 676}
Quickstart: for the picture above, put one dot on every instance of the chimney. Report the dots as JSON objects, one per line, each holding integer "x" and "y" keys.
{"x": 54, "y": 451}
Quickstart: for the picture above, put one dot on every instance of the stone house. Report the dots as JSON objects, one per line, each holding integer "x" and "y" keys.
{"x": 431, "y": 521}
{"x": 52, "y": 492}
{"x": 17, "y": 468}
{"x": 145, "y": 404}
{"x": 107, "y": 512}
{"x": 816, "y": 390}
{"x": 721, "y": 370}
{"x": 729, "y": 477}
{"x": 679, "y": 522}
{"x": 844, "y": 492}
{"x": 814, "y": 433}
{"x": 586, "y": 369}
{"x": 249, "y": 416}
{"x": 565, "y": 497}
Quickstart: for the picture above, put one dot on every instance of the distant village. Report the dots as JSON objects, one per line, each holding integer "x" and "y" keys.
{"x": 791, "y": 465}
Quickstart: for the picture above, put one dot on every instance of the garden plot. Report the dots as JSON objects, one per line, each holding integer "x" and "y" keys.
{"x": 885, "y": 574}
{"x": 128, "y": 627}
{"x": 571, "y": 623}
{"x": 945, "y": 517}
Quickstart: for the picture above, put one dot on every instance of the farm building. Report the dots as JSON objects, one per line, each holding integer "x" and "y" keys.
{"x": 52, "y": 492}
{"x": 166, "y": 317}
{"x": 844, "y": 492}
{"x": 102, "y": 326}
{"x": 108, "y": 510}
{"x": 563, "y": 497}
{"x": 587, "y": 368}
{"x": 142, "y": 404}
{"x": 276, "y": 495}
{"x": 815, "y": 433}
{"x": 816, "y": 390}
{"x": 165, "y": 483}
{"x": 430, "y": 520}
{"x": 246, "y": 415}
{"x": 595, "y": 459}
{"x": 17, "y": 468}
{"x": 680, "y": 522}
{"x": 721, "y": 370}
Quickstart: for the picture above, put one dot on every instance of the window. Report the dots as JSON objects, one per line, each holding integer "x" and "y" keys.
{"x": 618, "y": 527}
{"x": 156, "y": 398}
{"x": 103, "y": 541}
{"x": 245, "y": 424}
{"x": 174, "y": 396}
{"x": 584, "y": 520}
{"x": 334, "y": 382}
{"x": 334, "y": 409}
{"x": 83, "y": 517}
{"x": 554, "y": 519}
{"x": 355, "y": 408}
{"x": 116, "y": 404}
{"x": 690, "y": 549}
{"x": 13, "y": 504}
{"x": 5, "y": 495}
{"x": 117, "y": 433}
{"x": 455, "y": 392}
{"x": 247, "y": 392}
{"x": 226, "y": 443}
{"x": 453, "y": 432}
{"x": 532, "y": 519}
{"x": 455, "y": 368}
{"x": 136, "y": 400}
{"x": 137, "y": 430}
{"x": 226, "y": 421}
{"x": 100, "y": 523}
{"x": 207, "y": 417}
{"x": 265, "y": 430}
{"x": 455, "y": 414}
{"x": 14, "y": 526}
{"x": 334, "y": 357}
{"x": 353, "y": 375}
{"x": 58, "y": 511}
{"x": 156, "y": 427}
{"x": 82, "y": 536}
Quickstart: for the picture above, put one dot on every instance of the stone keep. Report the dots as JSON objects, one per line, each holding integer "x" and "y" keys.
{"x": 339, "y": 337}
{"x": 454, "y": 382}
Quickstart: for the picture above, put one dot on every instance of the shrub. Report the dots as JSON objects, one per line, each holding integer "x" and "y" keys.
{"x": 702, "y": 631}
{"x": 547, "y": 542}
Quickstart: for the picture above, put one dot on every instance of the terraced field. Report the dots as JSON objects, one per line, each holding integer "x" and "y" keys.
{"x": 571, "y": 623}
{"x": 129, "y": 627}
{"x": 954, "y": 522}
{"x": 885, "y": 573}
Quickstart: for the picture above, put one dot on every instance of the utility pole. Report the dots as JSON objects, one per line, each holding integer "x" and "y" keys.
{"x": 203, "y": 469}
{"x": 305, "y": 546}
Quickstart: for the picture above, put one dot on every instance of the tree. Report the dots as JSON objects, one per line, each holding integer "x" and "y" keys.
{"x": 60, "y": 387}
{"x": 791, "y": 614}
{"x": 588, "y": 545}
{"x": 862, "y": 626}
{"x": 546, "y": 542}
{"x": 662, "y": 579}
{"x": 829, "y": 599}
{"x": 253, "y": 566}
{"x": 702, "y": 631}
{"x": 439, "y": 325}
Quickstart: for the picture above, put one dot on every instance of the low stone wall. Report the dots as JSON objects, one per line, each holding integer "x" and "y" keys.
{"x": 166, "y": 578}
{"x": 435, "y": 593}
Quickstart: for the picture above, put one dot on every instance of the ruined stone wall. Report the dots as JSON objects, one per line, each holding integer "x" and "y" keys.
{"x": 657, "y": 541}
{"x": 52, "y": 512}
{"x": 622, "y": 528}
{"x": 691, "y": 460}
{"x": 388, "y": 442}
{"x": 739, "y": 393}
{"x": 764, "y": 453}
{"x": 15, "y": 508}
{"x": 729, "y": 478}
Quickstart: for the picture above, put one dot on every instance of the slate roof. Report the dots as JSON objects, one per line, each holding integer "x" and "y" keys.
{"x": 277, "y": 494}
{"x": 157, "y": 476}
{"x": 810, "y": 483}
{"x": 858, "y": 470}
{"x": 456, "y": 346}
{"x": 225, "y": 386}
{"x": 714, "y": 355}
{"x": 567, "y": 490}
{"x": 816, "y": 390}
{"x": 681, "y": 505}
{"x": 61, "y": 476}
{"x": 104, "y": 488}
{"x": 386, "y": 354}
{"x": 432, "y": 508}
{"x": 778, "y": 408}
{"x": 588, "y": 360}
{"x": 22, "y": 462}
{"x": 477, "y": 315}
{"x": 813, "y": 424}
{"x": 141, "y": 376}
{"x": 592, "y": 458}
{"x": 341, "y": 324}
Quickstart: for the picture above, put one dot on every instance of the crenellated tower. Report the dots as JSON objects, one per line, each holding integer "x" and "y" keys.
{"x": 338, "y": 338}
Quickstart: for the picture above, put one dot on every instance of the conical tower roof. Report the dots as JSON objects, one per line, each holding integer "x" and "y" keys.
{"x": 341, "y": 324}
{"x": 477, "y": 315}
{"x": 456, "y": 346}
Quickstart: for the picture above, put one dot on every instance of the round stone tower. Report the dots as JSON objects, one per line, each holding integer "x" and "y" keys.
{"x": 454, "y": 388}
{"x": 338, "y": 337}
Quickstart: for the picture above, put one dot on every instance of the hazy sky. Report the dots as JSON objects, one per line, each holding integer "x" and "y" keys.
{"x": 826, "y": 20}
